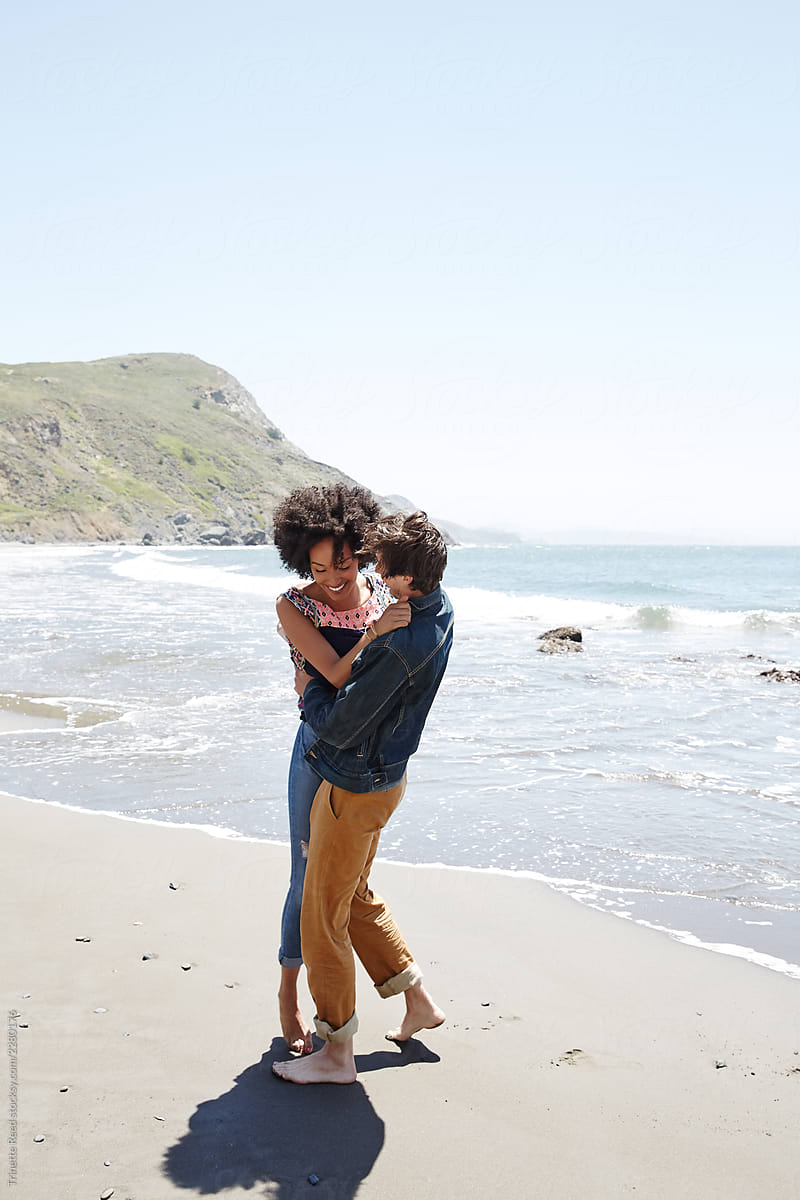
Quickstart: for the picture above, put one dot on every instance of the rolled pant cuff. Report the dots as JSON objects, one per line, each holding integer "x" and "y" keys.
{"x": 342, "y": 1034}
{"x": 400, "y": 983}
{"x": 293, "y": 964}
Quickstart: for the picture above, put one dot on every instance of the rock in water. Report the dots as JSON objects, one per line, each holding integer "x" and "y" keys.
{"x": 778, "y": 676}
{"x": 564, "y": 640}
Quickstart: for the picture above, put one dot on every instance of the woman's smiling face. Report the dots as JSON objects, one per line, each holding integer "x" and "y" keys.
{"x": 336, "y": 579}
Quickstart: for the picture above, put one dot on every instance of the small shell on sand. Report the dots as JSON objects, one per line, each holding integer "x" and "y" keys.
{"x": 186, "y": 966}
{"x": 39, "y": 1137}
{"x": 107, "y": 1194}
{"x": 101, "y": 1010}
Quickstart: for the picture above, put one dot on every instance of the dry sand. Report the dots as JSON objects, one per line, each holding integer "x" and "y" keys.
{"x": 583, "y": 1057}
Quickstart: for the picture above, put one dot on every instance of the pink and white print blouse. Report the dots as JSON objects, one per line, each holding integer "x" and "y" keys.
{"x": 321, "y": 614}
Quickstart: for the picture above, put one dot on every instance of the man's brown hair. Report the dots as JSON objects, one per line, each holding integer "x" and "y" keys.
{"x": 408, "y": 545}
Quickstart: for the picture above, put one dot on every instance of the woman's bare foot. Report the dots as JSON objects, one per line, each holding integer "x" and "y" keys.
{"x": 296, "y": 1032}
{"x": 334, "y": 1063}
{"x": 421, "y": 1013}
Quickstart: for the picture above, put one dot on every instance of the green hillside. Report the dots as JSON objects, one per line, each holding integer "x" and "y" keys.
{"x": 154, "y": 447}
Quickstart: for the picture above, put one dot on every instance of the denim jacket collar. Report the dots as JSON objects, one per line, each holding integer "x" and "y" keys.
{"x": 420, "y": 603}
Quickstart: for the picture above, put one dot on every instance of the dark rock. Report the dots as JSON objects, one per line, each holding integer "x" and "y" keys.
{"x": 147, "y": 539}
{"x": 213, "y": 534}
{"x": 47, "y": 433}
{"x": 254, "y": 537}
{"x": 564, "y": 640}
{"x": 181, "y": 518}
{"x": 779, "y": 676}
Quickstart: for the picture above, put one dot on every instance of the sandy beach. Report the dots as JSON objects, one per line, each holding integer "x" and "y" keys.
{"x": 582, "y": 1056}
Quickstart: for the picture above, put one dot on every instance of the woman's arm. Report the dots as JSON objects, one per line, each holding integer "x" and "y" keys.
{"x": 303, "y": 634}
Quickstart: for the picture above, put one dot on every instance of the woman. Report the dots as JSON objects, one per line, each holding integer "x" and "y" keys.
{"x": 318, "y": 532}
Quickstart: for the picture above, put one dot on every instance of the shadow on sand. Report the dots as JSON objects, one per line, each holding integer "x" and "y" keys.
{"x": 267, "y": 1131}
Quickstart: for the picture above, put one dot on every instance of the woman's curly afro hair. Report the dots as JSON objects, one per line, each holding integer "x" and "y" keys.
{"x": 309, "y": 514}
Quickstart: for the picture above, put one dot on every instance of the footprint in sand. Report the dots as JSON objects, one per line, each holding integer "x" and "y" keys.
{"x": 572, "y": 1058}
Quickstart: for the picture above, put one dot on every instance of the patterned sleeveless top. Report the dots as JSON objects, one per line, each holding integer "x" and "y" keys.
{"x": 321, "y": 614}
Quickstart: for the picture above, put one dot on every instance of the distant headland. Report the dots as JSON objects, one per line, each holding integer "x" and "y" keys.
{"x": 161, "y": 448}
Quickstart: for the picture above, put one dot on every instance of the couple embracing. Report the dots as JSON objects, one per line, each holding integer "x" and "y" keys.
{"x": 369, "y": 653}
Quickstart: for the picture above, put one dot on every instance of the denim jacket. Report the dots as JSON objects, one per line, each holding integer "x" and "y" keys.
{"x": 368, "y": 730}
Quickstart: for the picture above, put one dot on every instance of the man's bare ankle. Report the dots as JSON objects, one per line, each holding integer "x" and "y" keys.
{"x": 340, "y": 1052}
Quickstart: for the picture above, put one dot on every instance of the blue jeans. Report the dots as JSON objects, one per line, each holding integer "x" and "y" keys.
{"x": 303, "y": 784}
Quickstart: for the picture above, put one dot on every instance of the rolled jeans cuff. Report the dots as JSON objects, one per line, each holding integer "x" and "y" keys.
{"x": 342, "y": 1034}
{"x": 293, "y": 964}
{"x": 400, "y": 983}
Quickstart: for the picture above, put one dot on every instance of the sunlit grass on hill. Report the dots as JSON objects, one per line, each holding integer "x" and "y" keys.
{"x": 114, "y": 449}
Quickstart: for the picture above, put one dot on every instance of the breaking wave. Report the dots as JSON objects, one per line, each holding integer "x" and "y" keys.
{"x": 484, "y": 605}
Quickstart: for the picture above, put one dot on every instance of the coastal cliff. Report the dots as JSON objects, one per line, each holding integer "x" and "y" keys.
{"x": 160, "y": 448}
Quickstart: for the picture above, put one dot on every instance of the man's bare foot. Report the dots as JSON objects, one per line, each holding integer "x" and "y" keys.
{"x": 296, "y": 1032}
{"x": 334, "y": 1063}
{"x": 421, "y": 1013}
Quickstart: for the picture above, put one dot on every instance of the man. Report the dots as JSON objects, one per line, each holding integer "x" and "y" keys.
{"x": 366, "y": 732}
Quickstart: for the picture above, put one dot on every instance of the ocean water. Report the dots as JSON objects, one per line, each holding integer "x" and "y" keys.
{"x": 655, "y": 774}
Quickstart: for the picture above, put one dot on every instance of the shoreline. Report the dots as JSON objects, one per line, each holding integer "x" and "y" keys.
{"x": 748, "y": 954}
{"x": 677, "y": 1072}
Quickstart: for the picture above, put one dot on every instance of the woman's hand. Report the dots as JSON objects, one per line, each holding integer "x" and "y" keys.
{"x": 301, "y": 680}
{"x": 396, "y": 616}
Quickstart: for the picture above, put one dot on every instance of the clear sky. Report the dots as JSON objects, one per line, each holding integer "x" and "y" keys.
{"x": 529, "y": 265}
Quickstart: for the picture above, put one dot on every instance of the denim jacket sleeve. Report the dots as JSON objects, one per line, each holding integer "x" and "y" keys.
{"x": 345, "y": 719}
